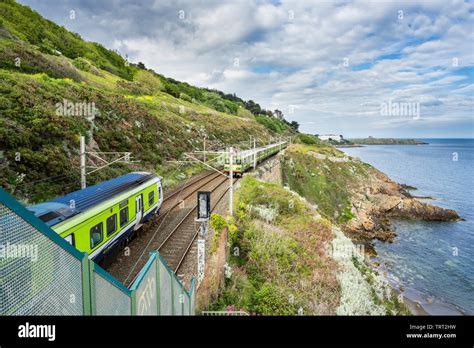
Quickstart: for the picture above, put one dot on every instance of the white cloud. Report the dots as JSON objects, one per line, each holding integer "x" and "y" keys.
{"x": 293, "y": 53}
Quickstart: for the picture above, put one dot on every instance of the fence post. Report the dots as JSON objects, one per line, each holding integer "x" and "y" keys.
{"x": 92, "y": 287}
{"x": 158, "y": 284}
{"x": 192, "y": 297}
{"x": 133, "y": 302}
{"x": 181, "y": 298}
{"x": 173, "y": 310}
{"x": 87, "y": 281}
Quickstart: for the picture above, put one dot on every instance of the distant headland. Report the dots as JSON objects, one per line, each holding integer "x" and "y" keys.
{"x": 340, "y": 141}
{"x": 386, "y": 141}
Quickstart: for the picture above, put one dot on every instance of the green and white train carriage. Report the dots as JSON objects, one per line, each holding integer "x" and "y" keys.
{"x": 243, "y": 160}
{"x": 102, "y": 217}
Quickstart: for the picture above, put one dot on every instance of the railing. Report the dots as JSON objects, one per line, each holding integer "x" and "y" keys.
{"x": 42, "y": 274}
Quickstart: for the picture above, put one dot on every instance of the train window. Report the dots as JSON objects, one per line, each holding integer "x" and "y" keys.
{"x": 123, "y": 204}
{"x": 151, "y": 198}
{"x": 111, "y": 224}
{"x": 238, "y": 161}
{"x": 227, "y": 161}
{"x": 96, "y": 235}
{"x": 123, "y": 216}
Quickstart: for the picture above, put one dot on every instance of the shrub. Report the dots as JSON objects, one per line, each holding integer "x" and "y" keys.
{"x": 172, "y": 89}
{"x": 307, "y": 139}
{"x": 185, "y": 97}
{"x": 273, "y": 124}
{"x": 217, "y": 222}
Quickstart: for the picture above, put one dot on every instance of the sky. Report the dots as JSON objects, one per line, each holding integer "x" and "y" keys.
{"x": 358, "y": 68}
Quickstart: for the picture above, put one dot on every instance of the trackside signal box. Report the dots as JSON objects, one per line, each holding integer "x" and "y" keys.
{"x": 204, "y": 205}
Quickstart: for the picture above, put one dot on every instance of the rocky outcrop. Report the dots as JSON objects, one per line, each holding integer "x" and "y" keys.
{"x": 377, "y": 199}
{"x": 414, "y": 209}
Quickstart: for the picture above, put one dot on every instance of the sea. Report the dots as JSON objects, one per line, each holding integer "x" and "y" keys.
{"x": 432, "y": 262}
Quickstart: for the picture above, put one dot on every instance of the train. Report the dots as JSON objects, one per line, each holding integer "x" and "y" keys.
{"x": 104, "y": 217}
{"x": 243, "y": 160}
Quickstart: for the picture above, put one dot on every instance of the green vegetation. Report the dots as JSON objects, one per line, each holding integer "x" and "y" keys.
{"x": 42, "y": 65}
{"x": 274, "y": 124}
{"x": 278, "y": 255}
{"x": 390, "y": 302}
{"x": 22, "y": 23}
{"x": 326, "y": 183}
{"x": 307, "y": 139}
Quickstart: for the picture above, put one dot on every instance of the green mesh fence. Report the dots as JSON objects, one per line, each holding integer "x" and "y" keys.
{"x": 192, "y": 299}
{"x": 166, "y": 294}
{"x": 109, "y": 296}
{"x": 178, "y": 296}
{"x": 146, "y": 290}
{"x": 42, "y": 274}
{"x": 37, "y": 276}
{"x": 157, "y": 290}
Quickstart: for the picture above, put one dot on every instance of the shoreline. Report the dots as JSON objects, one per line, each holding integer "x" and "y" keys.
{"x": 418, "y": 302}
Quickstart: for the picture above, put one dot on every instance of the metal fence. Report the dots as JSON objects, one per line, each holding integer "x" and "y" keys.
{"x": 157, "y": 290}
{"x": 42, "y": 274}
{"x": 108, "y": 296}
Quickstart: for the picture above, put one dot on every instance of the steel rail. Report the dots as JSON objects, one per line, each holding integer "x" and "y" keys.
{"x": 197, "y": 232}
{"x": 185, "y": 217}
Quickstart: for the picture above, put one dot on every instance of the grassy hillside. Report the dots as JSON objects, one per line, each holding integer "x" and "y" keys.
{"x": 330, "y": 180}
{"x": 287, "y": 259}
{"x": 323, "y": 175}
{"x": 44, "y": 66}
{"x": 282, "y": 266}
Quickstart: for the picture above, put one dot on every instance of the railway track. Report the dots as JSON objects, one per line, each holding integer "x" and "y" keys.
{"x": 176, "y": 246}
{"x": 179, "y": 196}
{"x": 169, "y": 225}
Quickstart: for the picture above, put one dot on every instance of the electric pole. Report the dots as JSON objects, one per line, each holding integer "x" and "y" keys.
{"x": 231, "y": 177}
{"x": 83, "y": 162}
{"x": 254, "y": 154}
{"x": 123, "y": 157}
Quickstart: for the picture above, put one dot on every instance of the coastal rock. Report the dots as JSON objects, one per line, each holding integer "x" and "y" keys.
{"x": 413, "y": 209}
{"x": 368, "y": 224}
{"x": 377, "y": 199}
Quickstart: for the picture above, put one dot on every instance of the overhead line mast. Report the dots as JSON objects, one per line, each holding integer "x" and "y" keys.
{"x": 123, "y": 157}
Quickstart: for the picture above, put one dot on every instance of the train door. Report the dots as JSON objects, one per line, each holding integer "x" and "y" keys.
{"x": 139, "y": 209}
{"x": 160, "y": 193}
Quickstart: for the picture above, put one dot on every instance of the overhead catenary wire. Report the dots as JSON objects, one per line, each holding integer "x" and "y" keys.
{"x": 53, "y": 178}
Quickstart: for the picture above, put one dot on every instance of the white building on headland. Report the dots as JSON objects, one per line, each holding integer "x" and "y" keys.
{"x": 333, "y": 137}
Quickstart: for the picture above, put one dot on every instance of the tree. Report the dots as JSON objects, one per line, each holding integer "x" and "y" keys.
{"x": 141, "y": 66}
{"x": 278, "y": 114}
{"x": 253, "y": 107}
{"x": 295, "y": 125}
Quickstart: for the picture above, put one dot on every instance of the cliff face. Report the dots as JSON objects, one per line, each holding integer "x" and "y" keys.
{"x": 364, "y": 200}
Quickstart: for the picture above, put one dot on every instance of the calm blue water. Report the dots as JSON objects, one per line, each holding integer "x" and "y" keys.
{"x": 433, "y": 261}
